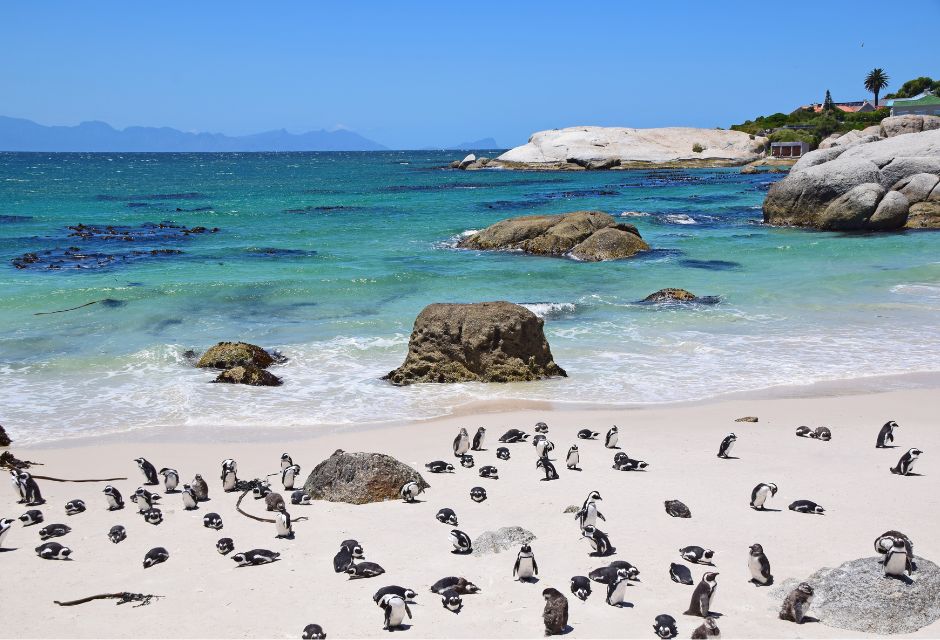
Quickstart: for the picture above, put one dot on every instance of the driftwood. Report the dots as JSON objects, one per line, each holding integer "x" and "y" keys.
{"x": 51, "y": 479}
{"x": 81, "y": 306}
{"x": 122, "y": 597}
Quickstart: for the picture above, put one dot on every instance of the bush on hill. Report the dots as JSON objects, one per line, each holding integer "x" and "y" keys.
{"x": 916, "y": 87}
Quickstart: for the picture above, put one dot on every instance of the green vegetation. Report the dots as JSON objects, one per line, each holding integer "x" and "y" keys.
{"x": 916, "y": 87}
{"x": 697, "y": 148}
{"x": 875, "y": 81}
{"x": 793, "y": 135}
{"x": 810, "y": 126}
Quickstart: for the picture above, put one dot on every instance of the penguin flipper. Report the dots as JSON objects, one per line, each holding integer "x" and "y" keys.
{"x": 601, "y": 516}
{"x": 535, "y": 566}
{"x": 407, "y": 610}
{"x": 515, "y": 568}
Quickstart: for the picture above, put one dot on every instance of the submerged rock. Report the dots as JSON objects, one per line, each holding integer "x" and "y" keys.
{"x": 250, "y": 375}
{"x": 482, "y": 342}
{"x": 503, "y": 539}
{"x": 360, "y": 478}
{"x": 226, "y": 355}
{"x": 677, "y": 295}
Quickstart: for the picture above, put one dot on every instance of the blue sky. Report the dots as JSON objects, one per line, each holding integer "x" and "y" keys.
{"x": 414, "y": 74}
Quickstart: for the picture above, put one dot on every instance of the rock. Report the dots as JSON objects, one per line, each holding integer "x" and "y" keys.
{"x": 828, "y": 141}
{"x": 677, "y": 509}
{"x": 229, "y": 354}
{"x": 572, "y": 508}
{"x": 924, "y": 215}
{"x": 671, "y": 295}
{"x": 899, "y": 125}
{"x": 484, "y": 341}
{"x": 467, "y": 161}
{"x": 560, "y": 235}
{"x": 250, "y": 375}
{"x": 891, "y": 212}
{"x": 746, "y": 419}
{"x": 503, "y": 539}
{"x": 852, "y": 209}
{"x": 857, "y": 596}
{"x": 749, "y": 169}
{"x": 4, "y": 438}
{"x": 917, "y": 188}
{"x": 360, "y": 478}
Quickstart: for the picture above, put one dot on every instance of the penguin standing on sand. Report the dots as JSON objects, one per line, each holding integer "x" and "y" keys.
{"x": 5, "y": 525}
{"x": 229, "y": 475}
{"x": 525, "y": 568}
{"x": 18, "y": 486}
{"x": 171, "y": 479}
{"x": 189, "y": 498}
{"x": 703, "y": 595}
{"x": 288, "y": 474}
{"x": 617, "y": 589}
{"x": 588, "y": 514}
{"x": 461, "y": 443}
{"x": 282, "y": 524}
{"x": 478, "y": 439}
{"x": 612, "y": 436}
{"x": 395, "y": 609}
{"x": 555, "y": 614}
{"x": 759, "y": 566}
{"x": 886, "y": 434}
{"x": 550, "y": 472}
{"x": 599, "y": 541}
{"x": 200, "y": 488}
{"x": 573, "y": 458}
{"x": 761, "y": 493}
{"x": 149, "y": 471}
{"x": 581, "y": 587}
{"x": 30, "y": 489}
{"x": 796, "y": 604}
{"x": 113, "y": 496}
{"x": 145, "y": 500}
{"x": 724, "y": 449}
{"x": 906, "y": 464}
{"x": 897, "y": 560}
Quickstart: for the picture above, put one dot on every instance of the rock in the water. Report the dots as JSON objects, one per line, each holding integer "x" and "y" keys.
{"x": 226, "y": 355}
{"x": 747, "y": 419}
{"x": 590, "y": 236}
{"x": 503, "y": 539}
{"x": 4, "y": 438}
{"x": 250, "y": 375}
{"x": 924, "y": 215}
{"x": 467, "y": 161}
{"x": 671, "y": 295}
{"x": 484, "y": 342}
{"x": 857, "y": 596}
{"x": 360, "y": 478}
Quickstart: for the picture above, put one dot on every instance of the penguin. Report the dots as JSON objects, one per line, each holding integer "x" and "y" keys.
{"x": 255, "y": 557}
{"x": 30, "y": 489}
{"x": 905, "y": 465}
{"x": 274, "y": 502}
{"x": 588, "y": 514}
{"x": 113, "y": 496}
{"x": 724, "y": 449}
{"x": 5, "y": 525}
{"x": 157, "y": 555}
{"x": 761, "y": 493}
{"x": 439, "y": 466}
{"x": 152, "y": 516}
{"x": 459, "y": 584}
{"x": 617, "y": 589}
{"x": 364, "y": 570}
{"x": 478, "y": 438}
{"x": 478, "y": 494}
{"x": 632, "y": 572}
{"x": 805, "y": 432}
{"x": 144, "y": 499}
{"x": 299, "y": 497}
{"x": 697, "y": 555}
{"x": 229, "y": 475}
{"x": 200, "y": 487}
{"x": 54, "y": 531}
{"x": 897, "y": 560}
{"x": 149, "y": 471}
{"x": 573, "y": 458}
{"x": 467, "y": 461}
{"x": 260, "y": 490}
{"x": 797, "y": 603}
{"x": 395, "y": 609}
{"x": 53, "y": 551}
{"x": 461, "y": 542}
{"x": 212, "y": 521}
{"x": 502, "y": 453}
{"x": 706, "y": 630}
{"x": 353, "y": 547}
{"x": 599, "y": 541}
{"x": 514, "y": 435}
{"x": 171, "y": 479}
{"x": 550, "y": 472}
{"x": 806, "y": 506}
{"x": 823, "y": 433}
{"x": 403, "y": 592}
{"x": 461, "y": 443}
{"x": 664, "y": 626}
{"x": 286, "y": 461}
{"x": 703, "y": 595}
{"x": 587, "y": 434}
{"x": 313, "y": 632}
{"x": 525, "y": 568}
{"x": 541, "y": 427}
{"x": 627, "y": 464}
{"x": 452, "y": 601}
{"x": 489, "y": 472}
{"x": 18, "y": 486}
{"x": 189, "y": 498}
{"x": 447, "y": 516}
{"x": 677, "y": 509}
{"x": 543, "y": 447}
{"x": 555, "y": 614}
{"x": 680, "y": 573}
{"x": 74, "y": 507}
{"x": 342, "y": 560}
{"x": 886, "y": 434}
{"x": 31, "y": 517}
{"x": 410, "y": 491}
{"x": 581, "y": 587}
{"x": 225, "y": 546}
{"x": 117, "y": 534}
{"x": 288, "y": 474}
{"x": 282, "y": 524}
{"x": 759, "y": 566}
{"x": 885, "y": 542}
{"x": 610, "y": 441}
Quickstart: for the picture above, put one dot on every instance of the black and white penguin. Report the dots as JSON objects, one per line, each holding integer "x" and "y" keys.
{"x": 623, "y": 462}
{"x": 897, "y": 560}
{"x": 680, "y": 573}
{"x": 823, "y": 433}
{"x": 724, "y": 449}
{"x": 447, "y": 516}
{"x": 581, "y": 587}
{"x": 74, "y": 507}
{"x": 708, "y": 630}
{"x": 53, "y": 551}
{"x": 439, "y": 466}
{"x": 632, "y": 572}
{"x": 394, "y": 589}
{"x": 342, "y": 560}
{"x": 588, "y": 514}
{"x": 613, "y": 435}
{"x": 489, "y": 472}
{"x": 225, "y": 546}
{"x": 33, "y": 496}
{"x": 149, "y": 471}
{"x": 573, "y": 458}
{"x": 906, "y": 464}
{"x": 759, "y": 566}
{"x": 541, "y": 427}
{"x": 461, "y": 443}
{"x": 152, "y": 516}
{"x": 212, "y": 521}
{"x": 587, "y": 434}
{"x": 545, "y": 464}
{"x": 144, "y": 499}
{"x": 410, "y": 491}
{"x": 461, "y": 542}
{"x": 796, "y": 604}
{"x": 54, "y": 531}
{"x": 5, "y": 525}
{"x": 282, "y": 524}
{"x": 189, "y": 498}
{"x": 805, "y": 432}
{"x": 702, "y": 596}
{"x": 806, "y": 506}
{"x": 514, "y": 435}
{"x": 698, "y": 555}
{"x": 459, "y": 584}
{"x": 395, "y": 609}
{"x": 18, "y": 486}
{"x": 117, "y": 534}
{"x": 286, "y": 461}
{"x": 617, "y": 589}
{"x": 600, "y": 543}
{"x": 353, "y": 547}
{"x": 502, "y": 453}
{"x": 885, "y": 542}
{"x": 157, "y": 555}
{"x": 229, "y": 475}
{"x": 664, "y": 626}
{"x": 525, "y": 568}
{"x": 467, "y": 461}
{"x": 113, "y": 497}
{"x": 255, "y": 557}
{"x": 260, "y": 490}
{"x": 313, "y": 632}
{"x": 452, "y": 601}
{"x": 478, "y": 494}
{"x": 200, "y": 488}
{"x": 31, "y": 517}
{"x": 171, "y": 479}
{"x": 478, "y": 439}
{"x": 364, "y": 570}
{"x": 288, "y": 475}
{"x": 761, "y": 493}
{"x": 886, "y": 434}
{"x": 299, "y": 497}
{"x": 543, "y": 447}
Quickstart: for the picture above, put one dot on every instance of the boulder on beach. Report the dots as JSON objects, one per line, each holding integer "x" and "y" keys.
{"x": 226, "y": 355}
{"x": 503, "y": 539}
{"x": 589, "y": 236}
{"x": 677, "y": 509}
{"x": 360, "y": 478}
{"x": 746, "y": 419}
{"x": 4, "y": 438}
{"x": 670, "y": 295}
{"x": 480, "y": 342}
{"x": 250, "y": 375}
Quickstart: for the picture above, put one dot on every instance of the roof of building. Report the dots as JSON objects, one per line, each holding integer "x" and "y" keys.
{"x": 847, "y": 107}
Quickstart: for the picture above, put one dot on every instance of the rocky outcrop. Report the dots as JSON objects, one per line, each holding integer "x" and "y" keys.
{"x": 360, "y": 478}
{"x": 589, "y": 236}
{"x": 230, "y": 354}
{"x": 886, "y": 184}
{"x": 503, "y": 539}
{"x": 480, "y": 342}
{"x": 899, "y": 125}
{"x": 4, "y": 438}
{"x": 250, "y": 375}
{"x": 470, "y": 162}
{"x": 668, "y": 295}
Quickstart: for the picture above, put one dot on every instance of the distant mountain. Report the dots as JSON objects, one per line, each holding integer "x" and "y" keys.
{"x": 482, "y": 143}
{"x": 17, "y": 134}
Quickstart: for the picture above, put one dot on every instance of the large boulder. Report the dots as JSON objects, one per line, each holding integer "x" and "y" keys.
{"x": 484, "y": 342}
{"x": 590, "y": 236}
{"x": 360, "y": 478}
{"x": 250, "y": 375}
{"x": 899, "y": 125}
{"x": 226, "y": 355}
{"x": 4, "y": 438}
{"x": 670, "y": 295}
{"x": 503, "y": 539}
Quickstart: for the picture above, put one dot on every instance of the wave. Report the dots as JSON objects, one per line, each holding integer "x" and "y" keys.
{"x": 548, "y": 310}
{"x": 679, "y": 218}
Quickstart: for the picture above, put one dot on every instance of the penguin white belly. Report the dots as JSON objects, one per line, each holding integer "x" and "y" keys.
{"x": 762, "y": 494}
{"x": 590, "y": 518}
{"x": 729, "y": 447}
{"x": 171, "y": 483}
{"x": 619, "y": 594}
{"x": 910, "y": 465}
{"x": 280, "y": 524}
{"x": 3, "y": 534}
{"x": 397, "y": 614}
{"x": 188, "y": 501}
{"x": 896, "y": 564}
{"x": 228, "y": 483}
{"x": 540, "y": 448}
{"x": 525, "y": 568}
{"x": 754, "y": 566}
{"x": 573, "y": 460}
{"x": 288, "y": 480}
{"x": 612, "y": 441}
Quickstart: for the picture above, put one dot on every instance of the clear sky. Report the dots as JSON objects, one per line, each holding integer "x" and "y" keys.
{"x": 415, "y": 74}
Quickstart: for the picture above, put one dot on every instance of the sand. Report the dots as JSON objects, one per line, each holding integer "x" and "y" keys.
{"x": 207, "y": 596}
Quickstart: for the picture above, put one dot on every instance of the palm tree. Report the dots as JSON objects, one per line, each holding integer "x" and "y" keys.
{"x": 875, "y": 81}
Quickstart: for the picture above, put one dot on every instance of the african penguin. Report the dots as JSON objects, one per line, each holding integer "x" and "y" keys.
{"x": 761, "y": 493}
{"x": 260, "y": 490}
{"x": 395, "y": 609}
{"x": 617, "y": 589}
{"x": 200, "y": 487}
{"x": 255, "y": 557}
{"x": 364, "y": 570}
{"x": 885, "y": 542}
{"x": 550, "y": 472}
{"x": 581, "y": 587}
{"x": 403, "y": 592}
{"x": 703, "y": 595}
{"x": 171, "y": 479}
{"x": 5, "y": 525}
{"x": 599, "y": 541}
{"x": 478, "y": 439}
{"x": 156, "y": 555}
{"x": 461, "y": 443}
{"x": 189, "y": 498}
{"x": 288, "y": 475}
{"x": 664, "y": 626}
{"x": 906, "y": 464}
{"x": 886, "y": 434}
{"x": 225, "y": 546}
{"x": 31, "y": 517}
{"x": 117, "y": 534}
{"x": 587, "y": 434}
{"x": 299, "y": 497}
{"x": 897, "y": 560}
{"x": 805, "y": 432}
{"x": 152, "y": 516}
{"x": 451, "y": 600}
{"x": 489, "y": 472}
{"x": 823, "y": 433}
{"x": 461, "y": 542}
{"x": 724, "y": 449}
{"x": 30, "y": 489}
{"x": 573, "y": 458}
{"x": 555, "y": 614}
{"x": 707, "y": 630}
{"x": 149, "y": 471}
{"x": 759, "y": 566}
{"x": 113, "y": 496}
{"x": 18, "y": 486}
{"x": 274, "y": 502}
{"x": 355, "y": 549}
{"x": 74, "y": 507}
{"x": 543, "y": 447}
{"x": 467, "y": 461}
{"x": 313, "y": 632}
{"x": 212, "y": 521}
{"x": 625, "y": 463}
{"x": 286, "y": 461}
{"x": 588, "y": 514}
{"x": 797, "y": 603}
{"x": 459, "y": 584}
{"x": 514, "y": 435}
{"x": 53, "y": 551}
{"x": 144, "y": 499}
{"x": 632, "y": 572}
{"x": 502, "y": 453}
{"x": 610, "y": 441}
{"x": 282, "y": 524}
{"x": 410, "y": 490}
{"x": 447, "y": 516}
{"x": 541, "y": 427}
{"x": 342, "y": 560}
{"x": 229, "y": 475}
{"x": 680, "y": 573}
{"x": 478, "y": 494}
{"x": 525, "y": 568}
{"x": 698, "y": 555}
{"x": 439, "y": 466}
{"x": 806, "y": 506}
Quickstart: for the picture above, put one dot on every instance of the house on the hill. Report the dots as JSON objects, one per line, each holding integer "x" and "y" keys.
{"x": 788, "y": 149}
{"x": 926, "y": 104}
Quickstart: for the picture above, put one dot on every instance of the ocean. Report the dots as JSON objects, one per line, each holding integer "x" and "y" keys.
{"x": 328, "y": 258}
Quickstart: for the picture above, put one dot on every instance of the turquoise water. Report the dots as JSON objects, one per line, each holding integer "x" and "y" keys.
{"x": 328, "y": 257}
